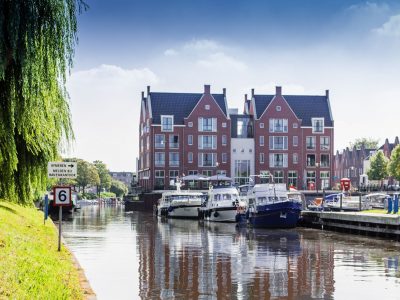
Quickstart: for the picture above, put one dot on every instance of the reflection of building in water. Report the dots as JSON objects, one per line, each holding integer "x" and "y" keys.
{"x": 183, "y": 259}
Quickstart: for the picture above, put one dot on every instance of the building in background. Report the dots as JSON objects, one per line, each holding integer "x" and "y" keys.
{"x": 352, "y": 163}
{"x": 127, "y": 178}
{"x": 289, "y": 136}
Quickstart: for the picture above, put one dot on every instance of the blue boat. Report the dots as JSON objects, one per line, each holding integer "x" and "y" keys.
{"x": 270, "y": 207}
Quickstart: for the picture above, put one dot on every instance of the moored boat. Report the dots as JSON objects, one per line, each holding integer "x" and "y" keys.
{"x": 270, "y": 207}
{"x": 223, "y": 205}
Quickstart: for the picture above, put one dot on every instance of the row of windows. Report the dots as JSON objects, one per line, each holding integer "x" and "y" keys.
{"x": 281, "y": 142}
{"x": 205, "y": 124}
{"x": 293, "y": 178}
{"x": 204, "y": 141}
{"x": 281, "y": 125}
{"x": 280, "y": 160}
{"x": 204, "y": 159}
{"x": 210, "y": 124}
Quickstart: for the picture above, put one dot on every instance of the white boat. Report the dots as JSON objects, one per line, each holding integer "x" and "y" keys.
{"x": 180, "y": 204}
{"x": 223, "y": 205}
{"x": 375, "y": 201}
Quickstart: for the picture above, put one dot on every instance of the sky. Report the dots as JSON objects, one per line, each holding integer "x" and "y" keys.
{"x": 351, "y": 48}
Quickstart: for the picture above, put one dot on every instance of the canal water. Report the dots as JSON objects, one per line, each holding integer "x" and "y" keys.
{"x": 137, "y": 256}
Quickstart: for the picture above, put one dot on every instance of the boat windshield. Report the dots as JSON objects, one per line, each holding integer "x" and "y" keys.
{"x": 226, "y": 196}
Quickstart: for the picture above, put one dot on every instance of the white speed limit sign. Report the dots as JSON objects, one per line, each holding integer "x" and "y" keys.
{"x": 62, "y": 195}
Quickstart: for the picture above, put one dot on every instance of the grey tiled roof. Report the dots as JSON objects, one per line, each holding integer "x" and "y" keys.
{"x": 305, "y": 107}
{"x": 180, "y": 105}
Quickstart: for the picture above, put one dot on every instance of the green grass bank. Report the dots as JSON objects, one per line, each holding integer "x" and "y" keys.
{"x": 30, "y": 265}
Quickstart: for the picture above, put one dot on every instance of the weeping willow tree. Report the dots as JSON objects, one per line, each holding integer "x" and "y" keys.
{"x": 37, "y": 40}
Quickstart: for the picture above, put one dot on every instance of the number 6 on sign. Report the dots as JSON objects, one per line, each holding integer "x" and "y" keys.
{"x": 62, "y": 195}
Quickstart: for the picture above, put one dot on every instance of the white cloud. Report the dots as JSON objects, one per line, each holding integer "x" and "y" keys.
{"x": 202, "y": 45}
{"x": 369, "y": 8}
{"x": 390, "y": 28}
{"x": 105, "y": 105}
{"x": 221, "y": 61}
{"x": 170, "y": 52}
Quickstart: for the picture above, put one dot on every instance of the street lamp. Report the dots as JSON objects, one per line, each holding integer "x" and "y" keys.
{"x": 316, "y": 176}
{"x": 216, "y": 165}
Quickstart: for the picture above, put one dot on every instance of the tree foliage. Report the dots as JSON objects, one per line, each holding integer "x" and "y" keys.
{"x": 118, "y": 187}
{"x": 368, "y": 143}
{"x": 37, "y": 40}
{"x": 379, "y": 166}
{"x": 87, "y": 175}
{"x": 105, "y": 178}
{"x": 394, "y": 165}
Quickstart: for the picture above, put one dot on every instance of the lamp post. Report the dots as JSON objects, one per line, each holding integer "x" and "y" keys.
{"x": 316, "y": 176}
{"x": 216, "y": 165}
{"x": 351, "y": 174}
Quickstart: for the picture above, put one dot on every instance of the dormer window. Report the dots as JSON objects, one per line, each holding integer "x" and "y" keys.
{"x": 167, "y": 123}
{"x": 318, "y": 125}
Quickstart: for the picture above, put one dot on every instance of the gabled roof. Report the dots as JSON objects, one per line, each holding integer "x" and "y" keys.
{"x": 305, "y": 107}
{"x": 180, "y": 105}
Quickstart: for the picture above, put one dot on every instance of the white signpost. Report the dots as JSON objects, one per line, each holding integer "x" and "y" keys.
{"x": 62, "y": 169}
{"x": 62, "y": 197}
{"x": 61, "y": 194}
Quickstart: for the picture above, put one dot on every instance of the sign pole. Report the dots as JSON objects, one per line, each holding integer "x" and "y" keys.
{"x": 59, "y": 228}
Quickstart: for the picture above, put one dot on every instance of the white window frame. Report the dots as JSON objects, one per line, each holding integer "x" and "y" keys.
{"x": 295, "y": 158}
{"x": 190, "y": 157}
{"x": 157, "y": 145}
{"x": 213, "y": 125}
{"x": 162, "y": 123}
{"x": 170, "y": 161}
{"x": 213, "y": 159}
{"x": 329, "y": 160}
{"x": 272, "y": 123}
{"x": 223, "y": 124}
{"x": 295, "y": 141}
{"x": 313, "y": 123}
{"x": 190, "y": 124}
{"x": 323, "y": 146}
{"x": 224, "y": 140}
{"x": 261, "y": 140}
{"x": 224, "y": 158}
{"x": 273, "y": 144}
{"x": 207, "y": 107}
{"x": 190, "y": 139}
{"x": 273, "y": 161}
{"x": 314, "y": 142}
{"x": 261, "y": 125}
{"x": 262, "y": 158}
{"x": 156, "y": 161}
{"x": 213, "y": 142}
{"x": 278, "y": 108}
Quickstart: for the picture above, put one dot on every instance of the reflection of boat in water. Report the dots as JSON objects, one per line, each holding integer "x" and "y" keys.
{"x": 223, "y": 205}
{"x": 270, "y": 207}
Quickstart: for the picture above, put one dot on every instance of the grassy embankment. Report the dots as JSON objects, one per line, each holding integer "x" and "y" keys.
{"x": 30, "y": 265}
{"x": 378, "y": 211}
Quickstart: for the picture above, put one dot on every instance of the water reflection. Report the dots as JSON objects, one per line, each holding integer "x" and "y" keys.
{"x": 167, "y": 259}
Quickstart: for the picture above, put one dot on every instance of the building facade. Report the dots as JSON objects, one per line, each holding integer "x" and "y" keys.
{"x": 289, "y": 136}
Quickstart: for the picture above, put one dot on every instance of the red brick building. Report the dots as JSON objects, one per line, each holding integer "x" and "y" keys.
{"x": 182, "y": 134}
{"x": 294, "y": 138}
{"x": 192, "y": 133}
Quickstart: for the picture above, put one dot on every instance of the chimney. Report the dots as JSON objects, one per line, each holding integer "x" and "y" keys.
{"x": 245, "y": 97}
{"x": 207, "y": 89}
{"x": 327, "y": 93}
{"x": 278, "y": 91}
{"x": 252, "y": 93}
{"x": 224, "y": 91}
{"x": 396, "y": 140}
{"x": 148, "y": 90}
{"x": 142, "y": 95}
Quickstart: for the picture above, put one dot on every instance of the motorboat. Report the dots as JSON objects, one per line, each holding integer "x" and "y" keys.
{"x": 223, "y": 204}
{"x": 342, "y": 202}
{"x": 270, "y": 207}
{"x": 375, "y": 201}
{"x": 180, "y": 204}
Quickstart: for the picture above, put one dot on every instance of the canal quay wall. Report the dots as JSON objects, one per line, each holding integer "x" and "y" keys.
{"x": 373, "y": 224}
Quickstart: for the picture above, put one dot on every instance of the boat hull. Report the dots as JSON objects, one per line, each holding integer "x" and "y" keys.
{"x": 184, "y": 212}
{"x": 277, "y": 215}
{"x": 221, "y": 214}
